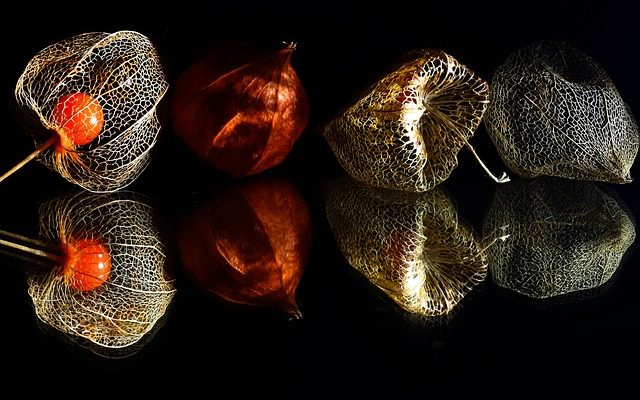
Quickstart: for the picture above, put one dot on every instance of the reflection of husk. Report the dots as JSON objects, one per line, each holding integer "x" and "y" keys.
{"x": 249, "y": 244}
{"x": 120, "y": 312}
{"x": 565, "y": 236}
{"x": 85, "y": 348}
{"x": 410, "y": 245}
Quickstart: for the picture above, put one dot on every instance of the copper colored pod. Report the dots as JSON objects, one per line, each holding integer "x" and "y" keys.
{"x": 250, "y": 244}
{"x": 240, "y": 109}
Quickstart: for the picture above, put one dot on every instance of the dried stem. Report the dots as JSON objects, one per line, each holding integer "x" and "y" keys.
{"x": 503, "y": 179}
{"x": 30, "y": 157}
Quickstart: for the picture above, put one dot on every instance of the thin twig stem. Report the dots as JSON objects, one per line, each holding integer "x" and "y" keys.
{"x": 30, "y": 157}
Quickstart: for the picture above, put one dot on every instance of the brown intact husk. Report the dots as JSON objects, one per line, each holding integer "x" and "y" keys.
{"x": 241, "y": 109}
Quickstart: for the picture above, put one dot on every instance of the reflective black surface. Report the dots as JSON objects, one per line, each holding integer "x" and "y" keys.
{"x": 351, "y": 337}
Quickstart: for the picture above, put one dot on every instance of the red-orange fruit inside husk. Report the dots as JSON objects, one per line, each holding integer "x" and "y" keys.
{"x": 250, "y": 244}
{"x": 77, "y": 118}
{"x": 240, "y": 109}
{"x": 87, "y": 264}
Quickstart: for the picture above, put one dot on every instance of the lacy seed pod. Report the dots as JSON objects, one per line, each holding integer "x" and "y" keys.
{"x": 241, "y": 109}
{"x": 554, "y": 111}
{"x": 406, "y": 130}
{"x": 410, "y": 245}
{"x": 111, "y": 306}
{"x": 565, "y": 236}
{"x": 90, "y": 102}
{"x": 250, "y": 244}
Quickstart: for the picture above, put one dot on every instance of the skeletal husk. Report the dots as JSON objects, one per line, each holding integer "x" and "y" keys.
{"x": 405, "y": 132}
{"x": 410, "y": 245}
{"x": 123, "y": 73}
{"x": 554, "y": 111}
{"x": 121, "y": 311}
{"x": 565, "y": 236}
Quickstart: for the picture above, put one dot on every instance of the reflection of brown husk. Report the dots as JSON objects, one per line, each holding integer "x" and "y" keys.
{"x": 250, "y": 244}
{"x": 410, "y": 245}
{"x": 565, "y": 237}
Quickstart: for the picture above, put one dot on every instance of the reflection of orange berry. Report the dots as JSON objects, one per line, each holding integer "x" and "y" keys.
{"x": 77, "y": 118}
{"x": 88, "y": 264}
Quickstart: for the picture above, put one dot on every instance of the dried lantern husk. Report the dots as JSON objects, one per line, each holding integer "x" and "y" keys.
{"x": 249, "y": 244}
{"x": 122, "y": 72}
{"x": 412, "y": 246}
{"x": 565, "y": 236}
{"x": 241, "y": 109}
{"x": 554, "y": 111}
{"x": 406, "y": 130}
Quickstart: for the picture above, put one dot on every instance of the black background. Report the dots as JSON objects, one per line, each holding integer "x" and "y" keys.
{"x": 350, "y": 339}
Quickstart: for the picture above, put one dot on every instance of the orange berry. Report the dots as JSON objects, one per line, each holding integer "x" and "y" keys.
{"x": 88, "y": 264}
{"x": 77, "y": 118}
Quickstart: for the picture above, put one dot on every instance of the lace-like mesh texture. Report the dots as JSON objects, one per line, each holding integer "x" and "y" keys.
{"x": 406, "y": 130}
{"x": 565, "y": 236}
{"x": 123, "y": 73}
{"x": 123, "y": 309}
{"x": 554, "y": 111}
{"x": 411, "y": 246}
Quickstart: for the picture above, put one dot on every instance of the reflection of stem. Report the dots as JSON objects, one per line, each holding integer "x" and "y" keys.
{"x": 29, "y": 246}
{"x": 30, "y": 157}
{"x": 495, "y": 239}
